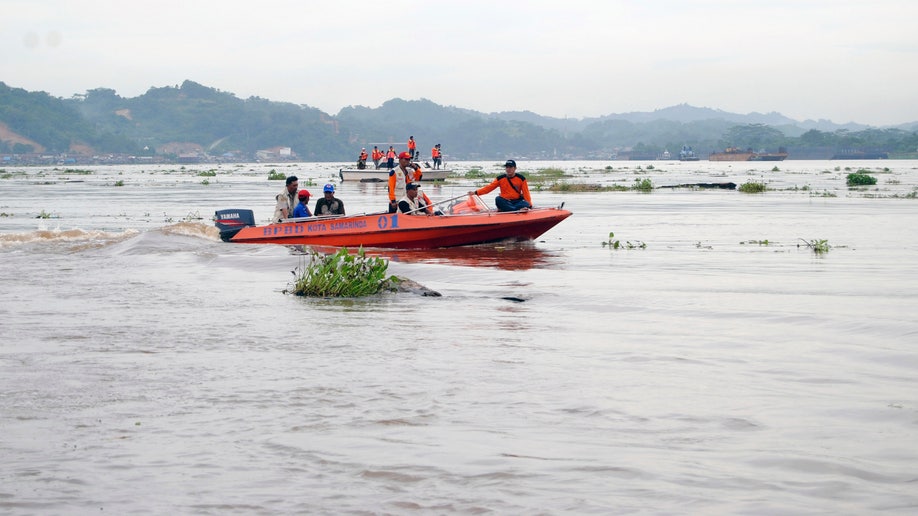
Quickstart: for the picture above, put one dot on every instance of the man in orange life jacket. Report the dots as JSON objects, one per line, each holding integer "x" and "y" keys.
{"x": 514, "y": 190}
{"x": 406, "y": 172}
{"x": 390, "y": 158}
{"x": 436, "y": 156}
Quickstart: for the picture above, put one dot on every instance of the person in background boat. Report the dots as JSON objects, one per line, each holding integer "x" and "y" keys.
{"x": 412, "y": 203}
{"x": 377, "y": 155}
{"x": 436, "y": 156}
{"x": 390, "y": 158}
{"x": 514, "y": 190}
{"x": 329, "y": 204}
{"x": 399, "y": 176}
{"x": 302, "y": 209}
{"x": 362, "y": 159}
{"x": 412, "y": 147}
{"x": 286, "y": 200}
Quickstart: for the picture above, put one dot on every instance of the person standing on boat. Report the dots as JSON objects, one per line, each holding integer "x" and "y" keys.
{"x": 302, "y": 209}
{"x": 514, "y": 190}
{"x": 400, "y": 176}
{"x": 286, "y": 200}
{"x": 376, "y": 155}
{"x": 435, "y": 155}
{"x": 329, "y": 204}
{"x": 412, "y": 147}
{"x": 362, "y": 160}
{"x": 412, "y": 203}
{"x": 390, "y": 158}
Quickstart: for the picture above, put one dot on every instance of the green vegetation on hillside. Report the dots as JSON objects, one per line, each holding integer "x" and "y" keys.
{"x": 220, "y": 123}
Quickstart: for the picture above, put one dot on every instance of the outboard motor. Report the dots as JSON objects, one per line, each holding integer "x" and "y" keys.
{"x": 229, "y": 222}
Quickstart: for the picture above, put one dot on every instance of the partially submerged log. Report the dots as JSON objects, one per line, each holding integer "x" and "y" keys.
{"x": 724, "y": 186}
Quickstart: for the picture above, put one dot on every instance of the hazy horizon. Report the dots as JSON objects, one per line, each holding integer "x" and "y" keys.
{"x": 807, "y": 60}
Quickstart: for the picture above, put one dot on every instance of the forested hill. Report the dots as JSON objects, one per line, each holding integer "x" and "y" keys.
{"x": 217, "y": 123}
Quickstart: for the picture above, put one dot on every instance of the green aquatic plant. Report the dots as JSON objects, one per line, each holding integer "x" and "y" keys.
{"x": 563, "y": 186}
{"x": 642, "y": 185}
{"x": 43, "y": 215}
{"x": 274, "y": 175}
{"x": 545, "y": 173}
{"x": 476, "y": 173}
{"x": 759, "y": 242}
{"x": 860, "y": 178}
{"x": 752, "y": 187}
{"x": 119, "y": 182}
{"x": 340, "y": 274}
{"x": 208, "y": 173}
{"x": 612, "y": 243}
{"x": 775, "y": 169}
{"x": 818, "y": 246}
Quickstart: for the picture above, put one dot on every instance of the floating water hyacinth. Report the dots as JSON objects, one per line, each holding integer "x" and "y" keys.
{"x": 340, "y": 275}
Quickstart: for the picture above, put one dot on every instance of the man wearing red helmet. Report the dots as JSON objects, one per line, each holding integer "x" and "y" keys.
{"x": 406, "y": 172}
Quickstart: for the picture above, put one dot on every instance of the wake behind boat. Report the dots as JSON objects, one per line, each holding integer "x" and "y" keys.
{"x": 465, "y": 222}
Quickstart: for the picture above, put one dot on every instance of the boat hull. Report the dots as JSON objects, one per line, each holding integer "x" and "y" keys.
{"x": 730, "y": 156}
{"x": 370, "y": 175}
{"x": 401, "y": 231}
{"x": 769, "y": 157}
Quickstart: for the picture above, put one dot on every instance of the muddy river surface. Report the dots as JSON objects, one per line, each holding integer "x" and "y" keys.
{"x": 713, "y": 363}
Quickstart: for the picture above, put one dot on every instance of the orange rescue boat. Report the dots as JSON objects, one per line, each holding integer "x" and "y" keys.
{"x": 465, "y": 222}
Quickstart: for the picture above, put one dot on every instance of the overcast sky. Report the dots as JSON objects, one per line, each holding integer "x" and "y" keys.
{"x": 840, "y": 60}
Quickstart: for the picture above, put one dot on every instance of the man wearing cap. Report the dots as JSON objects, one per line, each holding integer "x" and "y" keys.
{"x": 329, "y": 204}
{"x": 412, "y": 203}
{"x": 286, "y": 200}
{"x": 514, "y": 190}
{"x": 362, "y": 159}
{"x": 406, "y": 172}
{"x": 302, "y": 209}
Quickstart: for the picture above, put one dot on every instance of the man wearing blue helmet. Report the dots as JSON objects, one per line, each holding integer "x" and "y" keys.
{"x": 329, "y": 204}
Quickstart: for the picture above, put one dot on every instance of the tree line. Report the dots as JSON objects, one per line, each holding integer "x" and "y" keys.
{"x": 220, "y": 123}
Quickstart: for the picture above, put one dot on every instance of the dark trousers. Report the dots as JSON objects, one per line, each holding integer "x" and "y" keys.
{"x": 505, "y": 205}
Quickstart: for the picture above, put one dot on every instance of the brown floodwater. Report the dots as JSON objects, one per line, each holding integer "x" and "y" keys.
{"x": 714, "y": 363}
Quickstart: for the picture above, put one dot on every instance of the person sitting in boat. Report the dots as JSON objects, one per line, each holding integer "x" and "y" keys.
{"x": 412, "y": 203}
{"x": 362, "y": 160}
{"x": 514, "y": 190}
{"x": 302, "y": 209}
{"x": 329, "y": 204}
{"x": 286, "y": 200}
